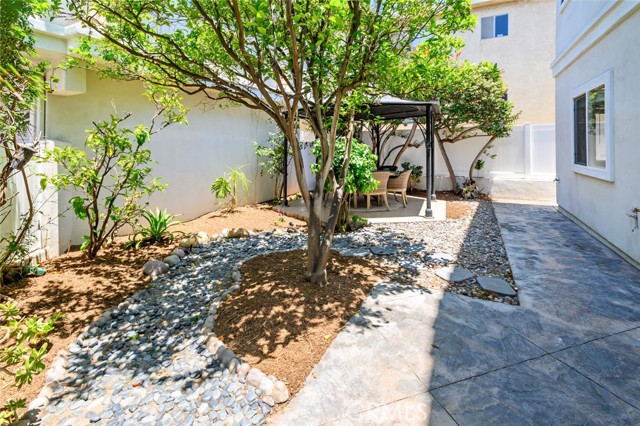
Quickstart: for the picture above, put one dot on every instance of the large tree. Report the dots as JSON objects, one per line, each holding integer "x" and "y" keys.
{"x": 280, "y": 57}
{"x": 473, "y": 99}
{"x": 23, "y": 81}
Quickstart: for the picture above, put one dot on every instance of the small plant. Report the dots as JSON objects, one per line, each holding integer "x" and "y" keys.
{"x": 357, "y": 222}
{"x": 227, "y": 185}
{"x": 416, "y": 174}
{"x": 111, "y": 181}
{"x": 479, "y": 166}
{"x": 157, "y": 228}
{"x": 271, "y": 162}
{"x": 24, "y": 346}
{"x": 469, "y": 190}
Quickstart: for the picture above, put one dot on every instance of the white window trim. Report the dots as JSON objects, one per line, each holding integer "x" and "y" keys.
{"x": 607, "y": 173}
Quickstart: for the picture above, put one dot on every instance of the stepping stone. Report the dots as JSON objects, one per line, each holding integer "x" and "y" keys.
{"x": 497, "y": 285}
{"x": 411, "y": 264}
{"x": 414, "y": 248}
{"x": 454, "y": 274}
{"x": 383, "y": 250}
{"x": 355, "y": 252}
{"x": 440, "y": 257}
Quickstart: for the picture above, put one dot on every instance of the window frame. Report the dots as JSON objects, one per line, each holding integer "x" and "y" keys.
{"x": 607, "y": 173}
{"x": 493, "y": 19}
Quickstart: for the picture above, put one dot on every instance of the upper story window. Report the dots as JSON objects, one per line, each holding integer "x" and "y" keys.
{"x": 592, "y": 136}
{"x": 494, "y": 26}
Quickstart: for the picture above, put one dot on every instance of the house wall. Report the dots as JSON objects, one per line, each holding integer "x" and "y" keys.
{"x": 189, "y": 157}
{"x": 593, "y": 38}
{"x": 524, "y": 54}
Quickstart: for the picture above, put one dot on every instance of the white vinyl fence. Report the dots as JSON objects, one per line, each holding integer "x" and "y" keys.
{"x": 527, "y": 155}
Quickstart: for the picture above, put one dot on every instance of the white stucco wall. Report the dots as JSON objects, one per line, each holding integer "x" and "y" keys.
{"x": 188, "y": 158}
{"x": 596, "y": 37}
{"x": 524, "y": 55}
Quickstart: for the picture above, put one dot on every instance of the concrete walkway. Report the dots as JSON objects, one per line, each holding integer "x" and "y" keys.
{"x": 569, "y": 355}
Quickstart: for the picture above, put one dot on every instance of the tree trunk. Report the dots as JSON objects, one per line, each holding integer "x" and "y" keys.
{"x": 319, "y": 236}
{"x": 452, "y": 174}
{"x": 407, "y": 143}
{"x": 473, "y": 163}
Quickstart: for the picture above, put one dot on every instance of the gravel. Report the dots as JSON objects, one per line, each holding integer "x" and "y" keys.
{"x": 145, "y": 362}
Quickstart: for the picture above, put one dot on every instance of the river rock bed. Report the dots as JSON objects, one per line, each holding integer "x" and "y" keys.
{"x": 145, "y": 361}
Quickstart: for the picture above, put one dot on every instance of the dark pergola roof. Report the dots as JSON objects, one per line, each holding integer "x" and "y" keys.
{"x": 392, "y": 108}
{"x": 389, "y": 108}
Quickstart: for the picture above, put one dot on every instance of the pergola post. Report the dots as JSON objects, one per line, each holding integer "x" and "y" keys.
{"x": 428, "y": 137}
{"x": 432, "y": 129}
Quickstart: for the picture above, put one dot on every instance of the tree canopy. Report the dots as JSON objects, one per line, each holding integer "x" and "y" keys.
{"x": 473, "y": 97}
{"x": 321, "y": 56}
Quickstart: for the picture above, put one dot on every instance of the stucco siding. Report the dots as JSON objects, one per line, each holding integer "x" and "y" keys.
{"x": 601, "y": 205}
{"x": 189, "y": 157}
{"x": 524, "y": 55}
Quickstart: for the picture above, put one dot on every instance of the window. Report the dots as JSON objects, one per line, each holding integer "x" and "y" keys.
{"x": 592, "y": 143}
{"x": 494, "y": 26}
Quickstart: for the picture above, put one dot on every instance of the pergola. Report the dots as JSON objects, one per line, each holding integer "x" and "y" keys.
{"x": 390, "y": 108}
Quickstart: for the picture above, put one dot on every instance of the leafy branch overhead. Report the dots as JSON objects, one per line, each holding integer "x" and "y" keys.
{"x": 473, "y": 98}
{"x": 322, "y": 57}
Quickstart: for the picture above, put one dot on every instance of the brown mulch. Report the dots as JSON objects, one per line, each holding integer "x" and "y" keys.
{"x": 283, "y": 325}
{"x": 83, "y": 289}
{"x": 260, "y": 217}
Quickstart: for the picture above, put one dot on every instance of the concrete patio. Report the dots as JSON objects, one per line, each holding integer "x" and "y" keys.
{"x": 414, "y": 212}
{"x": 569, "y": 355}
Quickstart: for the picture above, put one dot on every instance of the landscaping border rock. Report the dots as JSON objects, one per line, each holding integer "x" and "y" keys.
{"x": 272, "y": 391}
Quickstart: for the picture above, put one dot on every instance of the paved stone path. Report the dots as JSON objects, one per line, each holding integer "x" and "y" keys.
{"x": 569, "y": 355}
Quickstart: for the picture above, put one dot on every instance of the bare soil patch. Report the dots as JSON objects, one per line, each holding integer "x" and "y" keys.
{"x": 83, "y": 289}
{"x": 280, "y": 323}
{"x": 260, "y": 217}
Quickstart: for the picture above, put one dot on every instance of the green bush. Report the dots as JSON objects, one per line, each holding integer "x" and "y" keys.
{"x": 416, "y": 173}
{"x": 359, "y": 177}
{"x": 112, "y": 180}
{"x": 157, "y": 228}
{"x": 272, "y": 161}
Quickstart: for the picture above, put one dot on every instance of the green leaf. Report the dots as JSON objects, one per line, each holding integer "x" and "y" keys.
{"x": 78, "y": 207}
{"x": 86, "y": 240}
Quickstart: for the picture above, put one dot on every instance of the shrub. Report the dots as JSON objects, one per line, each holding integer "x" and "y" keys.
{"x": 112, "y": 181}
{"x": 157, "y": 228}
{"x": 359, "y": 178}
{"x": 416, "y": 173}
{"x": 227, "y": 185}
{"x": 272, "y": 162}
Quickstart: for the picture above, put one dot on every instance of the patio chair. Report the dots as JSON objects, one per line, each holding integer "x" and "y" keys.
{"x": 380, "y": 192}
{"x": 398, "y": 185}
